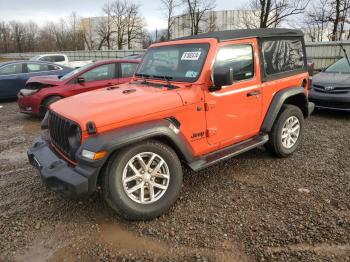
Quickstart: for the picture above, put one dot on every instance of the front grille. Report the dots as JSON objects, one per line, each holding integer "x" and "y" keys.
{"x": 332, "y": 89}
{"x": 60, "y": 128}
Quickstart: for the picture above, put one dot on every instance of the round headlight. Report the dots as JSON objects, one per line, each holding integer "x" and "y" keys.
{"x": 74, "y": 136}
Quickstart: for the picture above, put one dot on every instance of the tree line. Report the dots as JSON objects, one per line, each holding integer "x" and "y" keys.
{"x": 122, "y": 25}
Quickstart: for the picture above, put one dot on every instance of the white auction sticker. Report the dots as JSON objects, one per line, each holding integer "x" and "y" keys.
{"x": 190, "y": 55}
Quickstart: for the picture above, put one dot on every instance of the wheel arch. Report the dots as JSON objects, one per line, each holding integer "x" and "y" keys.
{"x": 160, "y": 130}
{"x": 294, "y": 96}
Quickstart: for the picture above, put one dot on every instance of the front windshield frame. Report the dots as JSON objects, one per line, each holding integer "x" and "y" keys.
{"x": 75, "y": 72}
{"x": 160, "y": 76}
{"x": 340, "y": 61}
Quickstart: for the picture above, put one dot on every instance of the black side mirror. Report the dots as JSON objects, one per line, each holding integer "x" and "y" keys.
{"x": 80, "y": 80}
{"x": 222, "y": 76}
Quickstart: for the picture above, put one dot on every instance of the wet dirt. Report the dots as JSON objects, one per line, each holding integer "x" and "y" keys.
{"x": 250, "y": 208}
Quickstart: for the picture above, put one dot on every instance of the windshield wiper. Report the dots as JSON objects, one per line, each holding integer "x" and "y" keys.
{"x": 144, "y": 76}
{"x": 346, "y": 54}
{"x": 167, "y": 79}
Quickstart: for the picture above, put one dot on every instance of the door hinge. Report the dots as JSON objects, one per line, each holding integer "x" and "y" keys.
{"x": 211, "y": 131}
{"x": 209, "y": 105}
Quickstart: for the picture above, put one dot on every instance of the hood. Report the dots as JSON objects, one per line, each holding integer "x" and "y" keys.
{"x": 42, "y": 81}
{"x": 109, "y": 106}
{"x": 334, "y": 79}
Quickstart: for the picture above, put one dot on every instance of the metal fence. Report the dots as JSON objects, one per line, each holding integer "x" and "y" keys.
{"x": 322, "y": 53}
{"x": 325, "y": 53}
{"x": 78, "y": 55}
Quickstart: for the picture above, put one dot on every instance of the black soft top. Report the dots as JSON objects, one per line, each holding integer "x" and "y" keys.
{"x": 246, "y": 33}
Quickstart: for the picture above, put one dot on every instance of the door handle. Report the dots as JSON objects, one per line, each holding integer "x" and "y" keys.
{"x": 109, "y": 84}
{"x": 254, "y": 93}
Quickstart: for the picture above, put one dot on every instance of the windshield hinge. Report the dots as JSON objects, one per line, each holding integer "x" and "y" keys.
{"x": 209, "y": 105}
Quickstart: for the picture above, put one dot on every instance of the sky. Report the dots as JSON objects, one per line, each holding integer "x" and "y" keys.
{"x": 42, "y": 11}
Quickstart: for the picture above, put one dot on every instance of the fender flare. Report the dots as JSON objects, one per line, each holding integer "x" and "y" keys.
{"x": 277, "y": 102}
{"x": 121, "y": 137}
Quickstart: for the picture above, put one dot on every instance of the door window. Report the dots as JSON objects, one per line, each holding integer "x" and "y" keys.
{"x": 58, "y": 58}
{"x": 282, "y": 55}
{"x": 104, "y": 72}
{"x": 239, "y": 58}
{"x": 127, "y": 69}
{"x": 34, "y": 68}
{"x": 11, "y": 69}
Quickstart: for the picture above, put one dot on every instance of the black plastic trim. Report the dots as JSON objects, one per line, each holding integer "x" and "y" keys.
{"x": 277, "y": 103}
{"x": 121, "y": 137}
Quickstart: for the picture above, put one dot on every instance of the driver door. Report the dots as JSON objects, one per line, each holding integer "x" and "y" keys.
{"x": 233, "y": 113}
{"x": 98, "y": 77}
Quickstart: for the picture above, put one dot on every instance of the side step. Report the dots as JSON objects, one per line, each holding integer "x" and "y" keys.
{"x": 227, "y": 152}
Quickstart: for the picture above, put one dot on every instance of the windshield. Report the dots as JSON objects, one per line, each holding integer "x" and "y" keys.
{"x": 341, "y": 66}
{"x": 177, "y": 62}
{"x": 74, "y": 72}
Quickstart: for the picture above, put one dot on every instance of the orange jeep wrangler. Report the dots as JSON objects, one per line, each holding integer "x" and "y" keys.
{"x": 196, "y": 101}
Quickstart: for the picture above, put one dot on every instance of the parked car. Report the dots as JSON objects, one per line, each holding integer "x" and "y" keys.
{"x": 219, "y": 95}
{"x": 331, "y": 88}
{"x": 39, "y": 93}
{"x": 14, "y": 75}
{"x": 60, "y": 59}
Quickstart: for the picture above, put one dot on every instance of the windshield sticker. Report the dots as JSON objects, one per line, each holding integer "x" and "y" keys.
{"x": 191, "y": 55}
{"x": 191, "y": 74}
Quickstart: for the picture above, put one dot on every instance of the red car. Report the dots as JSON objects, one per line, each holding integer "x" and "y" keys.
{"x": 40, "y": 92}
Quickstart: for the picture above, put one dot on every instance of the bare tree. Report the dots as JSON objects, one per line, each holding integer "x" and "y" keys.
{"x": 169, "y": 7}
{"x": 271, "y": 13}
{"x": 339, "y": 16}
{"x": 134, "y": 24}
{"x": 197, "y": 9}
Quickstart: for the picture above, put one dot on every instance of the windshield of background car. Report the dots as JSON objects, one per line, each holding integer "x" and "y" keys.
{"x": 341, "y": 66}
{"x": 74, "y": 72}
{"x": 177, "y": 62}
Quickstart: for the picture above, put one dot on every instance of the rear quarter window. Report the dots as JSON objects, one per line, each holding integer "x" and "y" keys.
{"x": 282, "y": 55}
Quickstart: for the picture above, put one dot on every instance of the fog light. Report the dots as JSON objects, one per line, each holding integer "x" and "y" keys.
{"x": 93, "y": 155}
{"x": 28, "y": 108}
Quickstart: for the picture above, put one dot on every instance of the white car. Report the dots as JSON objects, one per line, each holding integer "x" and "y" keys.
{"x": 60, "y": 59}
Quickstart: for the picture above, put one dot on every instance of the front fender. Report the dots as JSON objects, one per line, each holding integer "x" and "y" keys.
{"x": 113, "y": 140}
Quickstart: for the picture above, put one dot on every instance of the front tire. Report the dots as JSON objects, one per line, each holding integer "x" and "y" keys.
{"x": 47, "y": 102}
{"x": 287, "y": 131}
{"x": 142, "y": 181}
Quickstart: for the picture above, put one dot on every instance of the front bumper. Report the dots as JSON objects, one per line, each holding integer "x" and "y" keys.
{"x": 28, "y": 104}
{"x": 330, "y": 101}
{"x": 58, "y": 175}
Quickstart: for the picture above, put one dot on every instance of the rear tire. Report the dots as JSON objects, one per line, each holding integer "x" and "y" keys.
{"x": 156, "y": 183}
{"x": 287, "y": 131}
{"x": 47, "y": 102}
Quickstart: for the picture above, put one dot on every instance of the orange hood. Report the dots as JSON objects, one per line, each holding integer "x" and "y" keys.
{"x": 110, "y": 106}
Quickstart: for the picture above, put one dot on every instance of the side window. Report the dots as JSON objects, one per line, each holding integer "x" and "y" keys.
{"x": 104, "y": 72}
{"x": 11, "y": 69}
{"x": 239, "y": 58}
{"x": 58, "y": 58}
{"x": 282, "y": 55}
{"x": 46, "y": 59}
{"x": 127, "y": 69}
{"x": 33, "y": 68}
{"x": 54, "y": 67}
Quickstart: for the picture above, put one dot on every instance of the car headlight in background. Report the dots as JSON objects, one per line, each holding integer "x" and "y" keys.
{"x": 28, "y": 92}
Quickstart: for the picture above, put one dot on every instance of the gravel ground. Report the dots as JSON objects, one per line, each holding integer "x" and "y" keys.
{"x": 251, "y": 208}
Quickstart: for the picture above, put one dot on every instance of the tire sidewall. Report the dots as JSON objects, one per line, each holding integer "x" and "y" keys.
{"x": 117, "y": 195}
{"x": 289, "y": 111}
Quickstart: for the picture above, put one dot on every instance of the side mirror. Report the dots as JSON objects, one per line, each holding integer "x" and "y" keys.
{"x": 80, "y": 80}
{"x": 222, "y": 76}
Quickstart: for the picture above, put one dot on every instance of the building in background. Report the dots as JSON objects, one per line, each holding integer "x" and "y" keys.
{"x": 215, "y": 21}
